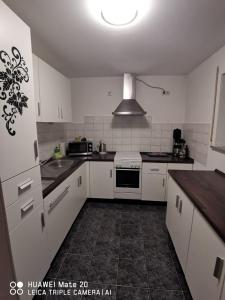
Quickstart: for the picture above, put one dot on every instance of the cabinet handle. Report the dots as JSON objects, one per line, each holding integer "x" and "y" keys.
{"x": 42, "y": 220}
{"x": 25, "y": 185}
{"x": 35, "y": 149}
{"x": 177, "y": 201}
{"x": 214, "y": 105}
{"x": 27, "y": 206}
{"x": 163, "y": 184}
{"x": 154, "y": 170}
{"x": 218, "y": 268}
{"x": 58, "y": 113}
{"x": 61, "y": 113}
{"x": 111, "y": 173}
{"x": 39, "y": 109}
{"x": 80, "y": 180}
{"x": 59, "y": 198}
{"x": 180, "y": 206}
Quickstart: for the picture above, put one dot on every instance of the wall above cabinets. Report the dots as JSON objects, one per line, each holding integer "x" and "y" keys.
{"x": 52, "y": 93}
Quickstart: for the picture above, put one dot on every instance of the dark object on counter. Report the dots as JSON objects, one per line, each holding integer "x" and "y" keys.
{"x": 177, "y": 134}
{"x": 187, "y": 152}
{"x": 178, "y": 144}
{"x": 84, "y": 139}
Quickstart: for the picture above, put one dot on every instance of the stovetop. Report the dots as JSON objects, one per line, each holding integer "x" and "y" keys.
{"x": 127, "y": 156}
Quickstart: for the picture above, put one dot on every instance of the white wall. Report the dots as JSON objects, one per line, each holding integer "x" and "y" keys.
{"x": 200, "y": 99}
{"x": 90, "y": 97}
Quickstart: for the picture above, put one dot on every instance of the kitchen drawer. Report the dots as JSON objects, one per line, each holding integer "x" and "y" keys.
{"x": 154, "y": 168}
{"x": 180, "y": 166}
{"x": 20, "y": 186}
{"x": 21, "y": 209}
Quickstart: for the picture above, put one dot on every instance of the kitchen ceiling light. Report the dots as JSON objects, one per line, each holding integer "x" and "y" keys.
{"x": 118, "y": 13}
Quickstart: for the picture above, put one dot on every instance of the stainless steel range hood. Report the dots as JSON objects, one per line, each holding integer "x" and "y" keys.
{"x": 129, "y": 106}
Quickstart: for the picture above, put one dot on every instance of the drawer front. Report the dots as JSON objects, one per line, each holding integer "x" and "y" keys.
{"x": 18, "y": 187}
{"x": 180, "y": 166}
{"x": 21, "y": 209}
{"x": 154, "y": 168}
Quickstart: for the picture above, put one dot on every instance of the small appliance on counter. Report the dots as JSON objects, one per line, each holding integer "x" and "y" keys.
{"x": 81, "y": 147}
{"x": 101, "y": 148}
{"x": 178, "y": 144}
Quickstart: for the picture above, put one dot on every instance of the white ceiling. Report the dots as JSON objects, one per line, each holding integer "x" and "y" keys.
{"x": 174, "y": 37}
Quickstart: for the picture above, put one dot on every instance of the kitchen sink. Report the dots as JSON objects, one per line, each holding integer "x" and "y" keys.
{"x": 55, "y": 168}
{"x": 158, "y": 154}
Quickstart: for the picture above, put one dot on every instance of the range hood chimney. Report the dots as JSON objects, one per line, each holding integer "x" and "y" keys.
{"x": 129, "y": 106}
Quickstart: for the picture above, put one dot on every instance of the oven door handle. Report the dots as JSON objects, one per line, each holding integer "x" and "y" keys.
{"x": 127, "y": 169}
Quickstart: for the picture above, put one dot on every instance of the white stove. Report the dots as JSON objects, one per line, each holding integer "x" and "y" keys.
{"x": 127, "y": 181}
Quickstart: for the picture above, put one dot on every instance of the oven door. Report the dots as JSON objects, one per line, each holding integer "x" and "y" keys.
{"x": 127, "y": 180}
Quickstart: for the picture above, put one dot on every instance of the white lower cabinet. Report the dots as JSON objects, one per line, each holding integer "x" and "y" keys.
{"x": 223, "y": 293}
{"x": 205, "y": 269}
{"x": 62, "y": 207}
{"x": 101, "y": 179}
{"x": 179, "y": 220}
{"x": 29, "y": 248}
{"x": 153, "y": 187}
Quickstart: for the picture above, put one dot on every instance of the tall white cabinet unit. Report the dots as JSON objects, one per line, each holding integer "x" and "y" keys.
{"x": 19, "y": 170}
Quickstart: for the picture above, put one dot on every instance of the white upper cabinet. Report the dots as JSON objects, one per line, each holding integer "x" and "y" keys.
{"x": 53, "y": 93}
{"x": 18, "y": 133}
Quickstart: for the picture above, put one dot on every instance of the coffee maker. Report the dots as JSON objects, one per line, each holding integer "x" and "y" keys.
{"x": 178, "y": 144}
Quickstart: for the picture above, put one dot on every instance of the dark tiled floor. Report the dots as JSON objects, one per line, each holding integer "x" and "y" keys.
{"x": 124, "y": 248}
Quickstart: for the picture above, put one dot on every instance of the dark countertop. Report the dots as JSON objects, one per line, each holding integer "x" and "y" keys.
{"x": 169, "y": 159}
{"x": 77, "y": 162}
{"x": 206, "y": 189}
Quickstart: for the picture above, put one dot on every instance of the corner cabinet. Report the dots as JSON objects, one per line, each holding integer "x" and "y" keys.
{"x": 179, "y": 220}
{"x": 101, "y": 179}
{"x": 52, "y": 93}
{"x": 206, "y": 261}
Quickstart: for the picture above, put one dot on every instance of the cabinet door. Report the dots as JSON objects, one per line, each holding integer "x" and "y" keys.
{"x": 205, "y": 248}
{"x": 172, "y": 208}
{"x": 29, "y": 249}
{"x": 17, "y": 108}
{"x": 49, "y": 93}
{"x": 184, "y": 225}
{"x": 37, "y": 87}
{"x": 223, "y": 294}
{"x": 65, "y": 95}
{"x": 60, "y": 205}
{"x": 153, "y": 187}
{"x": 173, "y": 166}
{"x": 80, "y": 188}
{"x": 101, "y": 180}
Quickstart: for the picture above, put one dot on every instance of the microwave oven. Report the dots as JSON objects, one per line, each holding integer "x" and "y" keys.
{"x": 80, "y": 148}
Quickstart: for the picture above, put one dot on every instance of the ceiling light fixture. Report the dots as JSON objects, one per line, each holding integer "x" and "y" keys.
{"x": 118, "y": 13}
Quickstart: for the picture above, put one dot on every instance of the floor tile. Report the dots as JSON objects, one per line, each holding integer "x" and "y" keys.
{"x": 103, "y": 269}
{"x": 55, "y": 265}
{"x": 74, "y": 267}
{"x": 130, "y": 231}
{"x": 167, "y": 295}
{"x": 127, "y": 293}
{"x": 155, "y": 245}
{"x": 130, "y": 218}
{"x": 82, "y": 245}
{"x": 131, "y": 248}
{"x": 162, "y": 273}
{"x": 108, "y": 246}
{"x": 132, "y": 273}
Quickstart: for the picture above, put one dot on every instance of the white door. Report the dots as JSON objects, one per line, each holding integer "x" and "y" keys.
{"x": 206, "y": 249}
{"x": 37, "y": 87}
{"x": 60, "y": 212}
{"x": 49, "y": 93}
{"x": 17, "y": 108}
{"x": 101, "y": 179}
{"x": 153, "y": 187}
{"x": 184, "y": 225}
{"x": 29, "y": 249}
{"x": 172, "y": 208}
{"x": 65, "y": 98}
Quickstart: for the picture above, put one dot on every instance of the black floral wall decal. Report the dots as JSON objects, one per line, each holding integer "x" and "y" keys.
{"x": 13, "y": 72}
